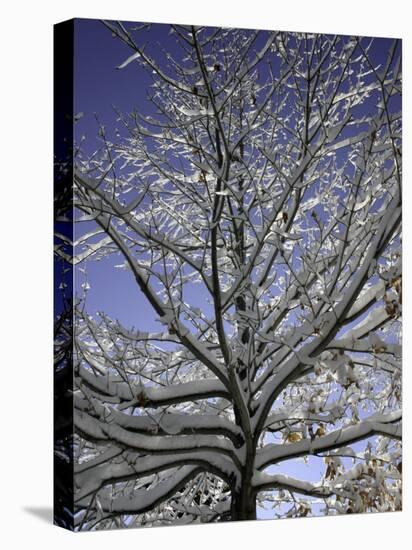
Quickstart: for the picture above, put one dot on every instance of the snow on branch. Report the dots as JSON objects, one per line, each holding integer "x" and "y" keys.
{"x": 384, "y": 425}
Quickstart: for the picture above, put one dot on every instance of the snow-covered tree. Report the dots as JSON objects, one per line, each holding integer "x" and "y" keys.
{"x": 258, "y": 208}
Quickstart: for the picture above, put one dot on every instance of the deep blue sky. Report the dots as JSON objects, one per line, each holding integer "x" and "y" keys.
{"x": 99, "y": 87}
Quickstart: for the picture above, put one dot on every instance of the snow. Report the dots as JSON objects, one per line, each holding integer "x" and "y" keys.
{"x": 114, "y": 386}
{"x": 136, "y": 55}
{"x": 274, "y": 453}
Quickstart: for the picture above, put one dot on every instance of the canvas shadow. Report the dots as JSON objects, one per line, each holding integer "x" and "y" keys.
{"x": 45, "y": 513}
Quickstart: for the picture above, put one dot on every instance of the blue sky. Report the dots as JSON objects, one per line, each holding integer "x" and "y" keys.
{"x": 99, "y": 88}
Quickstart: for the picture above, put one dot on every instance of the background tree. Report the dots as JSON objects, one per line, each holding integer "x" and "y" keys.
{"x": 258, "y": 208}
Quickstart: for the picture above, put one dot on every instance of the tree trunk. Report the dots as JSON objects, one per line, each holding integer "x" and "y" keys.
{"x": 243, "y": 503}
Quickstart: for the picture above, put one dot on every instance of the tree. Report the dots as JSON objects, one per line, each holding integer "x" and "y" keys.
{"x": 265, "y": 183}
